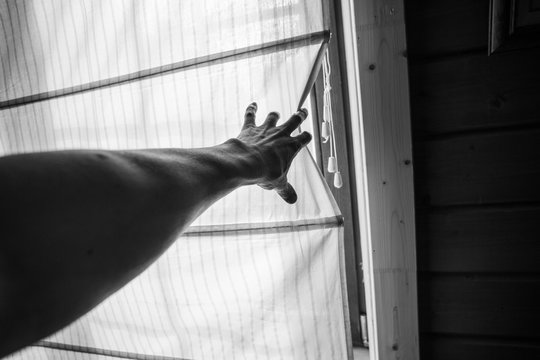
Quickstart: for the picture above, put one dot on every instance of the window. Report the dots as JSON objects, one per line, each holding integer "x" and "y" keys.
{"x": 252, "y": 275}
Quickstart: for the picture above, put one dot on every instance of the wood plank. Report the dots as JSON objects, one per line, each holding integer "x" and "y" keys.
{"x": 475, "y": 92}
{"x": 446, "y": 26}
{"x": 493, "y": 239}
{"x": 463, "y": 348}
{"x": 478, "y": 169}
{"x": 383, "y": 152}
{"x": 479, "y": 305}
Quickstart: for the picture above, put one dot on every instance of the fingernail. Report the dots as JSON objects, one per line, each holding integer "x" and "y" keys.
{"x": 253, "y": 104}
{"x": 304, "y": 112}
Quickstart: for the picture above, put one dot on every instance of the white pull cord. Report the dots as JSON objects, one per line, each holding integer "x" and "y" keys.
{"x": 327, "y": 129}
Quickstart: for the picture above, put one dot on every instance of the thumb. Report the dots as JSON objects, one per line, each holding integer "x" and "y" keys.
{"x": 287, "y": 193}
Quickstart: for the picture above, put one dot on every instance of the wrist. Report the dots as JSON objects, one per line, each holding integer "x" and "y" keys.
{"x": 243, "y": 162}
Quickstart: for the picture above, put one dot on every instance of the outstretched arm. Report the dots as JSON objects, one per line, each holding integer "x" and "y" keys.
{"x": 75, "y": 226}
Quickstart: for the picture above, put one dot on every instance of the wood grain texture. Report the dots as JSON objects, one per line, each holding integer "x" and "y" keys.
{"x": 479, "y": 169}
{"x": 387, "y": 135}
{"x": 446, "y": 26}
{"x": 476, "y": 125}
{"x": 471, "y": 348}
{"x": 480, "y": 239}
{"x": 501, "y": 306}
{"x": 475, "y": 92}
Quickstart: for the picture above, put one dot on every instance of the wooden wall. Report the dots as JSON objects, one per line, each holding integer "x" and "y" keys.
{"x": 476, "y": 146}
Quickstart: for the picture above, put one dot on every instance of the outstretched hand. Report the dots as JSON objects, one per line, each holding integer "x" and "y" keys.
{"x": 143, "y": 198}
{"x": 275, "y": 149}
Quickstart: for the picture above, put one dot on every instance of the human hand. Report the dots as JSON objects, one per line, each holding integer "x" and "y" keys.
{"x": 274, "y": 149}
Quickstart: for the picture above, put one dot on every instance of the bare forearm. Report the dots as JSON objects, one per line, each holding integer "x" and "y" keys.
{"x": 76, "y": 226}
{"x": 108, "y": 189}
{"x": 86, "y": 222}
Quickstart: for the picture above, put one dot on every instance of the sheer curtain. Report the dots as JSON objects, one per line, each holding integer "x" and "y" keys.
{"x": 253, "y": 277}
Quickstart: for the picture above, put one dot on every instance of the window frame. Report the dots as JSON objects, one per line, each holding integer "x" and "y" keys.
{"x": 343, "y": 195}
{"x": 376, "y": 150}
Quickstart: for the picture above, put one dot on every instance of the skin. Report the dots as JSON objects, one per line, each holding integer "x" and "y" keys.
{"x": 76, "y": 226}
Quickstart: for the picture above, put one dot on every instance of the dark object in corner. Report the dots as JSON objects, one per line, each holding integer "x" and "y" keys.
{"x": 513, "y": 25}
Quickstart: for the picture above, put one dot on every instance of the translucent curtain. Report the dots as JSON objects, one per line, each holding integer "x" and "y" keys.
{"x": 253, "y": 277}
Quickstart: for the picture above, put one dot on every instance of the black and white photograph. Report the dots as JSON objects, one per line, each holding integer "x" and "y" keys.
{"x": 269, "y": 179}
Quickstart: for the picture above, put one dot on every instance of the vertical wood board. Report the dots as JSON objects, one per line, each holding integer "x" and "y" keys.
{"x": 385, "y": 121}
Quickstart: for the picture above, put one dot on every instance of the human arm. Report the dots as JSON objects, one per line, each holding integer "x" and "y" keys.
{"x": 76, "y": 226}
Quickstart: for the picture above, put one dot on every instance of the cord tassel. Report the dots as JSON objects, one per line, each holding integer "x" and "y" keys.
{"x": 325, "y": 131}
{"x": 338, "y": 181}
{"x": 332, "y": 168}
{"x": 327, "y": 127}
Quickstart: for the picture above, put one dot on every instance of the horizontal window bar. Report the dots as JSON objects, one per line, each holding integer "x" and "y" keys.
{"x": 266, "y": 228}
{"x": 226, "y": 56}
{"x": 102, "y": 352}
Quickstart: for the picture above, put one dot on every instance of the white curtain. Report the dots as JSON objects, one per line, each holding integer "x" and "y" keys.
{"x": 253, "y": 277}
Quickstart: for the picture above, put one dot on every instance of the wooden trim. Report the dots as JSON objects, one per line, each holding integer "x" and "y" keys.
{"x": 374, "y": 35}
{"x": 499, "y": 23}
{"x": 506, "y": 33}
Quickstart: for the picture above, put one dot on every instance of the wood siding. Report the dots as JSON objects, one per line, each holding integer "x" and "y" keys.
{"x": 476, "y": 155}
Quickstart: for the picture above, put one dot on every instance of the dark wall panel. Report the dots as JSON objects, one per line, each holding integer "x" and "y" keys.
{"x": 478, "y": 169}
{"x": 493, "y": 306}
{"x": 479, "y": 239}
{"x": 475, "y": 92}
{"x": 446, "y": 26}
{"x": 463, "y": 348}
{"x": 476, "y": 132}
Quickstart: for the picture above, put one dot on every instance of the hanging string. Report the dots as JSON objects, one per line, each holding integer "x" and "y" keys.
{"x": 327, "y": 129}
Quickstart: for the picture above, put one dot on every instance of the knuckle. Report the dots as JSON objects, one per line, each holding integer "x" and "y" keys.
{"x": 306, "y": 137}
{"x": 294, "y": 122}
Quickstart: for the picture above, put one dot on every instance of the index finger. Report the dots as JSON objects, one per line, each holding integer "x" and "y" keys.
{"x": 294, "y": 121}
{"x": 249, "y": 117}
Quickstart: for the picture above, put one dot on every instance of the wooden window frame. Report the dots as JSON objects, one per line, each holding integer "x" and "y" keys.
{"x": 373, "y": 126}
{"x": 343, "y": 195}
{"x": 507, "y": 32}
